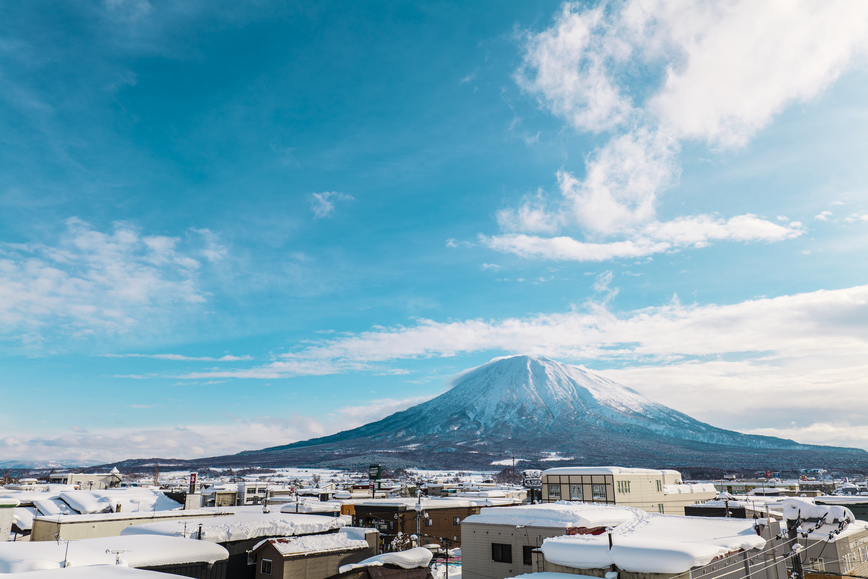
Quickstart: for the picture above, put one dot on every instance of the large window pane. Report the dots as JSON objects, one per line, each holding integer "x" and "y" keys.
{"x": 555, "y": 491}
{"x": 599, "y": 492}
{"x": 575, "y": 492}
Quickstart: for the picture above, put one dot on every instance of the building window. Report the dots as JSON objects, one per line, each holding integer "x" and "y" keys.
{"x": 501, "y": 553}
{"x": 527, "y": 554}
{"x": 659, "y": 487}
{"x": 660, "y": 508}
{"x": 265, "y": 568}
{"x": 598, "y": 492}
{"x": 623, "y": 486}
{"x": 429, "y": 522}
{"x": 555, "y": 491}
{"x": 456, "y": 520}
{"x": 575, "y": 492}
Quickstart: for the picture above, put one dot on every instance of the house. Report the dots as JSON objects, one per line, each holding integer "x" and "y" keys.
{"x": 669, "y": 547}
{"x": 7, "y": 517}
{"x": 831, "y": 539}
{"x": 94, "y": 481}
{"x": 433, "y": 520}
{"x": 313, "y": 556}
{"x": 240, "y": 530}
{"x": 651, "y": 490}
{"x": 174, "y": 555}
{"x": 409, "y": 564}
{"x": 499, "y": 542}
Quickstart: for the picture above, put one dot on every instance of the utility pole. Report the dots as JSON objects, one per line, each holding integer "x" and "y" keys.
{"x": 793, "y": 535}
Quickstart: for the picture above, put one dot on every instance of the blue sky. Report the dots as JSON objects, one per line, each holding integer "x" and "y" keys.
{"x": 226, "y": 226}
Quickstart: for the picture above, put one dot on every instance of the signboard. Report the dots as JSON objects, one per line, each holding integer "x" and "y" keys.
{"x": 192, "y": 482}
{"x": 770, "y": 474}
{"x": 374, "y": 472}
{"x": 532, "y": 479}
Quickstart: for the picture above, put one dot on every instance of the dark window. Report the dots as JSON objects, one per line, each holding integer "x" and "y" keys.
{"x": 501, "y": 553}
{"x": 266, "y": 567}
{"x": 456, "y": 520}
{"x": 526, "y": 554}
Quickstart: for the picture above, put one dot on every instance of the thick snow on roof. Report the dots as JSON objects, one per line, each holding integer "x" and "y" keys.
{"x": 689, "y": 489}
{"x": 409, "y": 559}
{"x": 7, "y": 502}
{"x": 552, "y": 575}
{"x": 310, "y": 507}
{"x": 138, "y": 551}
{"x": 602, "y": 470}
{"x": 799, "y": 508}
{"x": 561, "y": 514}
{"x": 241, "y": 526}
{"x": 653, "y": 543}
{"x": 96, "y": 572}
{"x": 314, "y": 544}
{"x": 25, "y": 517}
{"x": 130, "y": 499}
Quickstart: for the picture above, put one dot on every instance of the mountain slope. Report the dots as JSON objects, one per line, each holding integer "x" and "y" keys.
{"x": 546, "y": 414}
{"x": 537, "y": 407}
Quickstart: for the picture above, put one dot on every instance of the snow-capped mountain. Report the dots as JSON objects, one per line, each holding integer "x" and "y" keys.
{"x": 545, "y": 412}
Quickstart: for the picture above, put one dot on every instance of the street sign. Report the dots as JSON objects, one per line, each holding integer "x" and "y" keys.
{"x": 374, "y": 472}
{"x": 192, "y": 482}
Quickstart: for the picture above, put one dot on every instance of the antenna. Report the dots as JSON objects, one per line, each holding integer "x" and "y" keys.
{"x": 116, "y": 553}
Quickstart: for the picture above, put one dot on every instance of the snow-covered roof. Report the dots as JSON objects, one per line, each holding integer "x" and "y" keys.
{"x": 138, "y": 551}
{"x": 240, "y": 526}
{"x": 409, "y": 559}
{"x": 130, "y": 499}
{"x": 96, "y": 572}
{"x": 9, "y": 503}
{"x": 603, "y": 470}
{"x": 310, "y": 507}
{"x": 561, "y": 514}
{"x": 157, "y": 515}
{"x": 552, "y": 575}
{"x": 689, "y": 489}
{"x": 314, "y": 544}
{"x": 654, "y": 543}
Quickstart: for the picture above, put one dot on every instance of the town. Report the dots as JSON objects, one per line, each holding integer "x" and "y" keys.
{"x": 609, "y": 522}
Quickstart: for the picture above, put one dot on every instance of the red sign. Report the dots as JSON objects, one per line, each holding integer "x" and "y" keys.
{"x": 192, "y": 478}
{"x": 770, "y": 474}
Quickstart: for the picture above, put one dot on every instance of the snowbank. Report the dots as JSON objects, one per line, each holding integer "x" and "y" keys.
{"x": 240, "y": 526}
{"x": 314, "y": 544}
{"x": 410, "y": 559}
{"x": 137, "y": 551}
{"x": 799, "y": 508}
{"x": 561, "y": 514}
{"x": 653, "y": 543}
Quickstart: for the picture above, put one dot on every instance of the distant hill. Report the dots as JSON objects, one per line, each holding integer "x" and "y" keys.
{"x": 545, "y": 414}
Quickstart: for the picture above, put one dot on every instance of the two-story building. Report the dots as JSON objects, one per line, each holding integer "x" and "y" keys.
{"x": 655, "y": 491}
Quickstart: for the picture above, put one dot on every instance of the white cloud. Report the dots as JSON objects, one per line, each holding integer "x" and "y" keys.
{"x": 773, "y": 357}
{"x": 566, "y": 68}
{"x": 91, "y": 281}
{"x": 178, "y": 357}
{"x": 229, "y": 436}
{"x": 717, "y": 73}
{"x": 323, "y": 204}
{"x": 823, "y": 215}
{"x": 493, "y": 266}
{"x": 655, "y": 237}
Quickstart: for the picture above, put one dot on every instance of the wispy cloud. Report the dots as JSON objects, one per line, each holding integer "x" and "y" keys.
{"x": 719, "y": 83}
{"x": 97, "y": 282}
{"x": 180, "y": 358}
{"x": 323, "y": 204}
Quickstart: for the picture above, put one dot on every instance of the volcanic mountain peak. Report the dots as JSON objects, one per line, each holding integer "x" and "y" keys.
{"x": 526, "y": 381}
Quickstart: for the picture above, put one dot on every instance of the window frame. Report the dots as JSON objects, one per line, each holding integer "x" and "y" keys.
{"x": 502, "y": 550}
{"x": 262, "y": 570}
